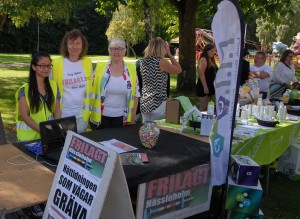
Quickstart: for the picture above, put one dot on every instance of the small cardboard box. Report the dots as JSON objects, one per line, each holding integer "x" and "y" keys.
{"x": 238, "y": 215}
{"x": 172, "y": 111}
{"x": 243, "y": 199}
{"x": 289, "y": 162}
{"x": 244, "y": 171}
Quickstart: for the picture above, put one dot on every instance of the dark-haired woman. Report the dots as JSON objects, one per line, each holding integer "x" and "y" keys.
{"x": 207, "y": 69}
{"x": 284, "y": 74}
{"x": 37, "y": 100}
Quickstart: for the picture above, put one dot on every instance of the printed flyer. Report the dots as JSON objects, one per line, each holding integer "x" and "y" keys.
{"x": 176, "y": 196}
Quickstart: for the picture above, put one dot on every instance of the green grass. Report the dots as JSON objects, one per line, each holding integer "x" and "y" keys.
{"x": 281, "y": 203}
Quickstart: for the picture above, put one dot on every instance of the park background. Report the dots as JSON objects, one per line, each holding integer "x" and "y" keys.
{"x": 27, "y": 26}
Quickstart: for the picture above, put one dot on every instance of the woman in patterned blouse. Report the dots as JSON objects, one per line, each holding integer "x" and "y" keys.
{"x": 154, "y": 71}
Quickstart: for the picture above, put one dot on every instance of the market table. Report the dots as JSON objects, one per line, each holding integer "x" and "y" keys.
{"x": 266, "y": 144}
{"x": 174, "y": 153}
{"x": 263, "y": 145}
{"x": 22, "y": 183}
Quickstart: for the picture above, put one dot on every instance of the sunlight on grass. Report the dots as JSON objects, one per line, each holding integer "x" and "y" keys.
{"x": 11, "y": 79}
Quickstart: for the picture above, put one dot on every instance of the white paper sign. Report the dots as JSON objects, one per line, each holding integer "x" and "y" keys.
{"x": 89, "y": 177}
{"x": 206, "y": 124}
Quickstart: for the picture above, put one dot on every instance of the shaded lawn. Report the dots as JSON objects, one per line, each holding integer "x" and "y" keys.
{"x": 11, "y": 78}
{"x": 14, "y": 58}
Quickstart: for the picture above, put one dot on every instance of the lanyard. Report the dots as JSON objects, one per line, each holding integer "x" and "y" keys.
{"x": 44, "y": 101}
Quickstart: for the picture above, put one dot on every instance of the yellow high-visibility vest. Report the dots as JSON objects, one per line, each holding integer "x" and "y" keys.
{"x": 96, "y": 96}
{"x": 24, "y": 132}
{"x": 57, "y": 75}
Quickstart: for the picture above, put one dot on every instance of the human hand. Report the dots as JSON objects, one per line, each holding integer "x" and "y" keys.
{"x": 253, "y": 74}
{"x": 167, "y": 48}
{"x": 206, "y": 91}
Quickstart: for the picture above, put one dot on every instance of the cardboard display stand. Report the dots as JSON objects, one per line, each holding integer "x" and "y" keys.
{"x": 172, "y": 111}
{"x": 89, "y": 183}
{"x": 175, "y": 196}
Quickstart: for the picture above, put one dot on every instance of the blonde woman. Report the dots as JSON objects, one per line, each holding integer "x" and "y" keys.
{"x": 115, "y": 90}
{"x": 154, "y": 71}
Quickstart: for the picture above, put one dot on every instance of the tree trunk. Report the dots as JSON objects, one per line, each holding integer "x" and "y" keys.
{"x": 128, "y": 49}
{"x": 147, "y": 20}
{"x": 3, "y": 18}
{"x": 186, "y": 81}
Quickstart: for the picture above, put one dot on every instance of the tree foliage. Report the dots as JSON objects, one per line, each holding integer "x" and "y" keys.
{"x": 22, "y": 11}
{"x": 125, "y": 24}
{"x": 24, "y": 39}
{"x": 269, "y": 32}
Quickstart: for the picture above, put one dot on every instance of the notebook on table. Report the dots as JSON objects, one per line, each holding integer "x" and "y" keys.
{"x": 53, "y": 135}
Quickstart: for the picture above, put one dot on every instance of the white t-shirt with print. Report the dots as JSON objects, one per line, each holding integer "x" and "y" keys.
{"x": 74, "y": 85}
{"x": 264, "y": 83}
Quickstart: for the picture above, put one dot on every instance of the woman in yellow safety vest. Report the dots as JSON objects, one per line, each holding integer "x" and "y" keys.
{"x": 73, "y": 74}
{"x": 37, "y": 100}
{"x": 115, "y": 90}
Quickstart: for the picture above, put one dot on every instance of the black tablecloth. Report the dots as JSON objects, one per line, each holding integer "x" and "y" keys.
{"x": 174, "y": 153}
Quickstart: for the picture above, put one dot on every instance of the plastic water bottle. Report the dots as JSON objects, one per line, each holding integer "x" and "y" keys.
{"x": 286, "y": 97}
{"x": 211, "y": 108}
{"x": 280, "y": 113}
{"x": 259, "y": 102}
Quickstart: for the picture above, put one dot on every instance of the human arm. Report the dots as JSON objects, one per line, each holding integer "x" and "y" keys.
{"x": 57, "y": 112}
{"x": 258, "y": 74}
{"x": 266, "y": 72}
{"x": 202, "y": 64}
{"x": 173, "y": 67}
{"x": 293, "y": 79}
{"x": 25, "y": 114}
{"x": 283, "y": 75}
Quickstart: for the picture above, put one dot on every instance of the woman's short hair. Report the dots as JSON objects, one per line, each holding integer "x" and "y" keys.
{"x": 155, "y": 48}
{"x": 73, "y": 35}
{"x": 116, "y": 42}
{"x": 285, "y": 54}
